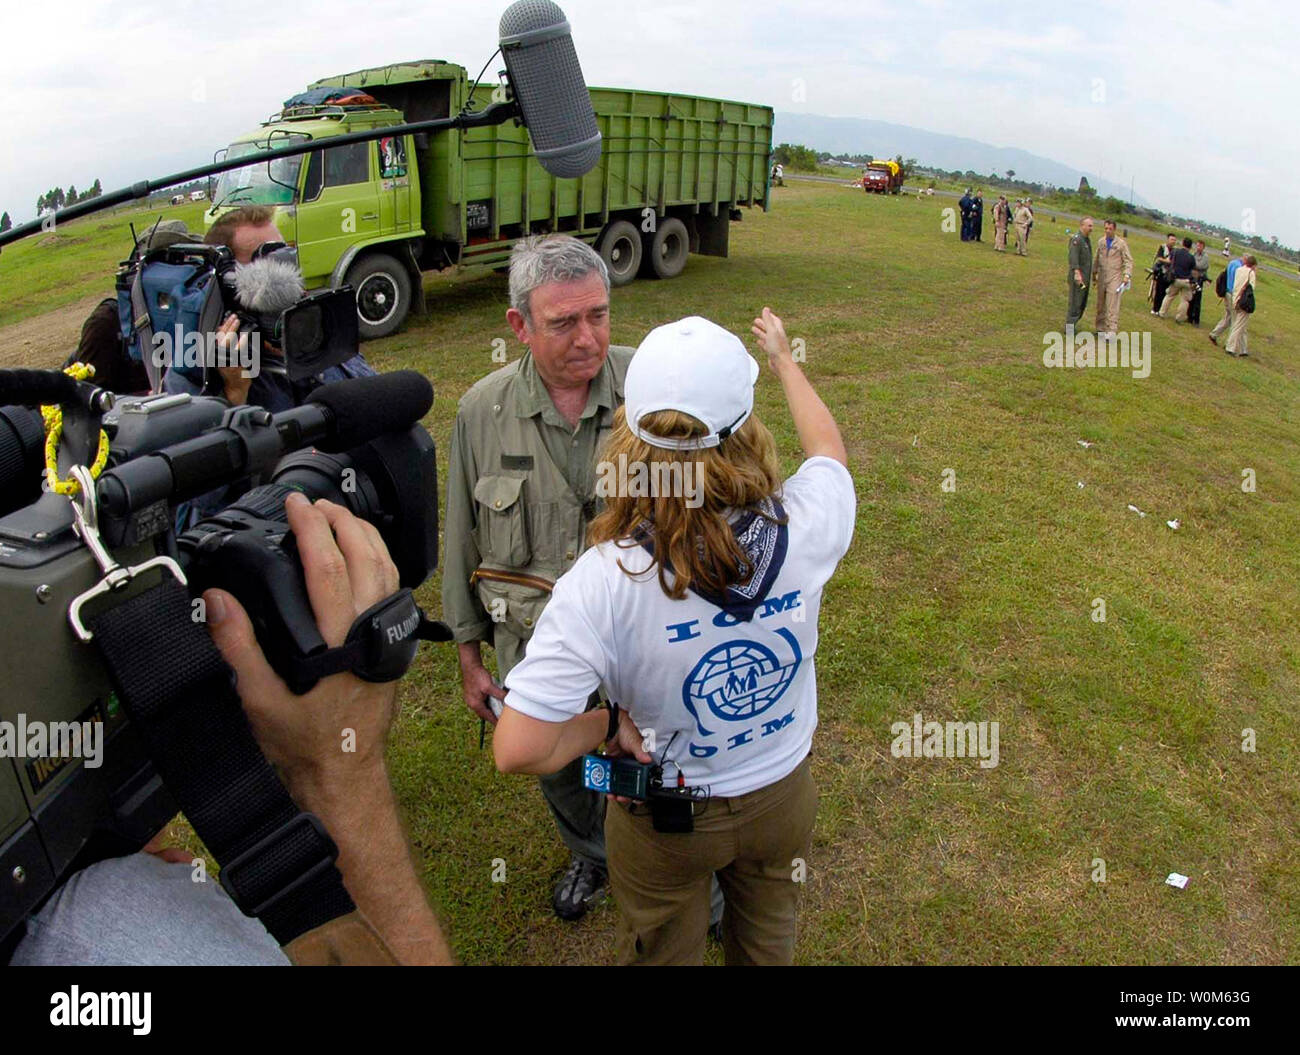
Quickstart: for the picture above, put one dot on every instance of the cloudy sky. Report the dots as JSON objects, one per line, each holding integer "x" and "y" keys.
{"x": 1193, "y": 101}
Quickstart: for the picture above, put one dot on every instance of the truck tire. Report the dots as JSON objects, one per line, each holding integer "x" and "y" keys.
{"x": 669, "y": 248}
{"x": 383, "y": 291}
{"x": 620, "y": 248}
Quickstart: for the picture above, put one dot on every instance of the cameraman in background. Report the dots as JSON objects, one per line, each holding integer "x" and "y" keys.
{"x": 249, "y": 232}
{"x": 147, "y": 908}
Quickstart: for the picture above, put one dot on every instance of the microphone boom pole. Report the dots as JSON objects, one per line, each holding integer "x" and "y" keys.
{"x": 493, "y": 114}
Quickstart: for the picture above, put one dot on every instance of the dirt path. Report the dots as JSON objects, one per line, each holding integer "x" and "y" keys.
{"x": 44, "y": 341}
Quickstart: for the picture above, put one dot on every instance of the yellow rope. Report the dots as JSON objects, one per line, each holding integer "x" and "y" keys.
{"x": 53, "y": 416}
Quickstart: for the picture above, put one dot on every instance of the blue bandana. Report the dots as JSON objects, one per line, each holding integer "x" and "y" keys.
{"x": 764, "y": 542}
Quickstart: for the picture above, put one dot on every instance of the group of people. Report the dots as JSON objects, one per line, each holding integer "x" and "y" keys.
{"x": 680, "y": 633}
{"x": 1178, "y": 276}
{"x": 1004, "y": 214}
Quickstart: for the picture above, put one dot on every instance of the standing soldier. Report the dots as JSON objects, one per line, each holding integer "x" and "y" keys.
{"x": 1023, "y": 219}
{"x": 966, "y": 204}
{"x": 1001, "y": 214}
{"x": 977, "y": 217}
{"x": 1112, "y": 270}
{"x": 1079, "y": 272}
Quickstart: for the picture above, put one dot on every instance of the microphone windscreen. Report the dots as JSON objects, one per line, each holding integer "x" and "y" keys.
{"x": 268, "y": 286}
{"x": 549, "y": 86}
{"x": 32, "y": 388}
{"x": 366, "y": 407}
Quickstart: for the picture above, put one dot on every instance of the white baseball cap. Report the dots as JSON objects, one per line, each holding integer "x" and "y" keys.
{"x": 696, "y": 367}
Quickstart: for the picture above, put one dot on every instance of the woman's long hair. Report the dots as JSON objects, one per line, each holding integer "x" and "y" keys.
{"x": 697, "y": 543}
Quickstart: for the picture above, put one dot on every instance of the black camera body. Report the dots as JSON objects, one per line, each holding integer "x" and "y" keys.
{"x": 188, "y": 289}
{"x": 61, "y": 813}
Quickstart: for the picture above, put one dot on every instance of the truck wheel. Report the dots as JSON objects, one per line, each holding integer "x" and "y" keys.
{"x": 669, "y": 248}
{"x": 383, "y": 291}
{"x": 620, "y": 248}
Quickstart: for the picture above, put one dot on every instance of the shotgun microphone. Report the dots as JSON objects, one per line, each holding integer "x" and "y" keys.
{"x": 549, "y": 87}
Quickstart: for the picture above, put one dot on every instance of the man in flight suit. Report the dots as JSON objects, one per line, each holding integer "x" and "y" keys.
{"x": 1001, "y": 214}
{"x": 1111, "y": 269}
{"x": 1079, "y": 271}
{"x": 1023, "y": 218}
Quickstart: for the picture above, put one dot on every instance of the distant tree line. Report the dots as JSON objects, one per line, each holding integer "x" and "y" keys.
{"x": 58, "y": 198}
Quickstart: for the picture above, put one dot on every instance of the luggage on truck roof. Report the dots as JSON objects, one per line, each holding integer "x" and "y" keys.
{"x": 344, "y": 96}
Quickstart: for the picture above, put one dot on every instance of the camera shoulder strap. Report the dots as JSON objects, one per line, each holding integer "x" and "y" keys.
{"x": 277, "y": 862}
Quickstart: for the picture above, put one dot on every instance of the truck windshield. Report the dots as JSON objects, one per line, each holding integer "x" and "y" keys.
{"x": 260, "y": 183}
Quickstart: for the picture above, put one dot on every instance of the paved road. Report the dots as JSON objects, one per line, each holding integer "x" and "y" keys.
{"x": 1042, "y": 211}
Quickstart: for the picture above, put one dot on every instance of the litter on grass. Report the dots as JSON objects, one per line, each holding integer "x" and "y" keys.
{"x": 1136, "y": 510}
{"x": 1177, "y": 880}
{"x": 1085, "y": 443}
{"x": 1175, "y": 524}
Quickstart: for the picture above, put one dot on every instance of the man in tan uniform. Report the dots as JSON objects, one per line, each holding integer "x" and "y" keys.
{"x": 521, "y": 491}
{"x": 1001, "y": 214}
{"x": 1112, "y": 271}
{"x": 1023, "y": 219}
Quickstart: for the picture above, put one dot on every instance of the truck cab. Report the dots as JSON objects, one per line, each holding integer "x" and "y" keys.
{"x": 673, "y": 175}
{"x": 337, "y": 203}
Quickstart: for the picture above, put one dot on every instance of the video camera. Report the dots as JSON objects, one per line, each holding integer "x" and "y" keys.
{"x": 66, "y": 560}
{"x": 171, "y": 301}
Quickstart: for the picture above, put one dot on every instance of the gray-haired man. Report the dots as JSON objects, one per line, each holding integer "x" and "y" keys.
{"x": 521, "y": 491}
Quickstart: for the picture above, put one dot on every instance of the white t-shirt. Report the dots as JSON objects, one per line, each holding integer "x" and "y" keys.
{"x": 741, "y": 697}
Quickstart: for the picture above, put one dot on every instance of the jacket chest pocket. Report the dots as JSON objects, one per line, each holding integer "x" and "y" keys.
{"x": 503, "y": 528}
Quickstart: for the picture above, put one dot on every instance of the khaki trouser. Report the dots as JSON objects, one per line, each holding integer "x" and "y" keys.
{"x": 1226, "y": 321}
{"x": 1181, "y": 290}
{"x": 1022, "y": 239}
{"x": 1000, "y": 238}
{"x": 753, "y": 842}
{"x": 1236, "y": 343}
{"x": 1107, "y": 306}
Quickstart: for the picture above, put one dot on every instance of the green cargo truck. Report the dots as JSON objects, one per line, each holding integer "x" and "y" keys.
{"x": 673, "y": 174}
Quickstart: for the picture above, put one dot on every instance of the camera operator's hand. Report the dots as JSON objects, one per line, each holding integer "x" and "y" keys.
{"x": 339, "y": 777}
{"x": 477, "y": 683}
{"x": 235, "y": 384}
{"x": 348, "y": 569}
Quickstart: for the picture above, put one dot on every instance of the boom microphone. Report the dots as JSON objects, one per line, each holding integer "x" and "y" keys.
{"x": 549, "y": 87}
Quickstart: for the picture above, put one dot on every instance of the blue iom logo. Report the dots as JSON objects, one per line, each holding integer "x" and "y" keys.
{"x": 739, "y": 680}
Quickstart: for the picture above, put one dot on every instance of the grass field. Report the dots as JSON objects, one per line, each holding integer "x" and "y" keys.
{"x": 1119, "y": 740}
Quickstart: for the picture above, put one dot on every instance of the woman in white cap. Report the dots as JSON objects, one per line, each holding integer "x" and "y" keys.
{"x": 696, "y": 607}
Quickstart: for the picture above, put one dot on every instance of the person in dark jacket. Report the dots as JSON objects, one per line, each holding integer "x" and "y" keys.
{"x": 977, "y": 217}
{"x": 1181, "y": 268}
{"x": 967, "y": 204}
{"x": 1079, "y": 272}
